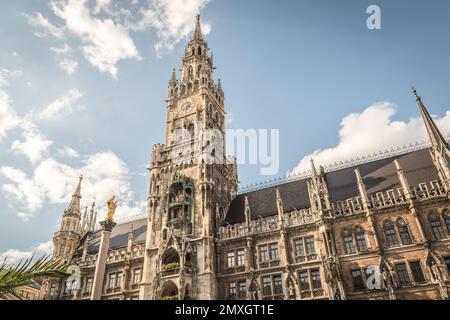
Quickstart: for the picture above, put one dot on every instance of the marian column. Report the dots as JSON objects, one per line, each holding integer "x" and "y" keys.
{"x": 100, "y": 267}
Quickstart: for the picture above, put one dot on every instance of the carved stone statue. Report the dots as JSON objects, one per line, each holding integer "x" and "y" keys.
{"x": 333, "y": 278}
{"x": 388, "y": 283}
{"x": 112, "y": 205}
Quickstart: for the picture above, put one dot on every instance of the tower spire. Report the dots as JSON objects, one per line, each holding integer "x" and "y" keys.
{"x": 198, "y": 29}
{"x": 74, "y": 206}
{"x": 437, "y": 139}
{"x": 440, "y": 150}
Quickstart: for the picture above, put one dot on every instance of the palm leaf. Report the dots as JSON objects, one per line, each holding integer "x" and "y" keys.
{"x": 25, "y": 272}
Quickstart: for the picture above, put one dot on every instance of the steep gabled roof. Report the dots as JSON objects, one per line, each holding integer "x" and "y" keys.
{"x": 119, "y": 236}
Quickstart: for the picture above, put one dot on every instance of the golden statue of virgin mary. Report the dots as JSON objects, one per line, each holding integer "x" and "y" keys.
{"x": 112, "y": 205}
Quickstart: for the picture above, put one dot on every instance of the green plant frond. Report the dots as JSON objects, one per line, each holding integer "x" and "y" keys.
{"x": 24, "y": 273}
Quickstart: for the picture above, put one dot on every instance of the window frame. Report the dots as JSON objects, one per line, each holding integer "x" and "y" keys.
{"x": 308, "y": 244}
{"x": 349, "y": 246}
{"x": 298, "y": 243}
{"x": 231, "y": 259}
{"x": 403, "y": 275}
{"x": 360, "y": 286}
{"x": 137, "y": 273}
{"x": 421, "y": 274}
{"x": 389, "y": 226}
{"x": 436, "y": 225}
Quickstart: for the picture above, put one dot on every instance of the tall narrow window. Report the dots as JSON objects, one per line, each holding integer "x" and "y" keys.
{"x": 404, "y": 234}
{"x": 360, "y": 237}
{"x": 232, "y": 290}
{"x": 304, "y": 280}
{"x": 402, "y": 273}
{"x": 299, "y": 248}
{"x": 277, "y": 285}
{"x": 230, "y": 259}
{"x": 417, "y": 272}
{"x": 310, "y": 247}
{"x": 274, "y": 252}
{"x": 137, "y": 276}
{"x": 390, "y": 233}
{"x": 240, "y": 258}
{"x": 88, "y": 284}
{"x": 267, "y": 288}
{"x": 358, "y": 281}
{"x": 315, "y": 277}
{"x": 436, "y": 226}
{"x": 112, "y": 280}
{"x": 119, "y": 279}
{"x": 361, "y": 241}
{"x": 242, "y": 286}
{"x": 263, "y": 254}
{"x": 348, "y": 241}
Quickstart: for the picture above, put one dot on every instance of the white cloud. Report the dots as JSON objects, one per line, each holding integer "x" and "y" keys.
{"x": 24, "y": 216}
{"x": 14, "y": 256}
{"x": 43, "y": 27}
{"x": 105, "y": 42}
{"x": 6, "y": 74}
{"x": 68, "y": 65}
{"x": 8, "y": 118}
{"x": 54, "y": 182}
{"x": 104, "y": 26}
{"x": 33, "y": 145}
{"x": 22, "y": 190}
{"x": 127, "y": 210}
{"x": 174, "y": 20}
{"x": 370, "y": 131}
{"x": 64, "y": 105}
{"x": 61, "y": 50}
{"x": 68, "y": 152}
{"x": 101, "y": 5}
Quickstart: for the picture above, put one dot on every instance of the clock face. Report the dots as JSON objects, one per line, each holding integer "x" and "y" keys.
{"x": 185, "y": 106}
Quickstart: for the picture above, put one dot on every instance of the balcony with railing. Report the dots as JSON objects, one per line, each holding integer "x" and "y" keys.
{"x": 429, "y": 190}
{"x": 170, "y": 269}
{"x": 352, "y": 206}
{"x": 347, "y": 207}
{"x": 387, "y": 199}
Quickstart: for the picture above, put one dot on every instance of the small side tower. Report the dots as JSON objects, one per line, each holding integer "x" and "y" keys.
{"x": 67, "y": 238}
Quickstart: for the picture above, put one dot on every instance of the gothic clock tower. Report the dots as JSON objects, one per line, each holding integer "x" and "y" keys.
{"x": 192, "y": 183}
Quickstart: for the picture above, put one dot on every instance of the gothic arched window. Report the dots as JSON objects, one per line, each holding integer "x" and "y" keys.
{"x": 436, "y": 226}
{"x": 347, "y": 237}
{"x": 360, "y": 236}
{"x": 403, "y": 231}
{"x": 390, "y": 233}
{"x": 199, "y": 51}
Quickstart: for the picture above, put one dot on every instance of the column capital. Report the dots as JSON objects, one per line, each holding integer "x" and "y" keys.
{"x": 108, "y": 225}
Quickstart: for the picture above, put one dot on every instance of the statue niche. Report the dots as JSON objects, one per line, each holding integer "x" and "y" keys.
{"x": 180, "y": 205}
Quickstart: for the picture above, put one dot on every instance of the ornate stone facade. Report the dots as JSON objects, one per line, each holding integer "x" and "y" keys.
{"x": 376, "y": 230}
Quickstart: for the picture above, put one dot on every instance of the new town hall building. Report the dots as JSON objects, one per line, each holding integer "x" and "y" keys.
{"x": 379, "y": 229}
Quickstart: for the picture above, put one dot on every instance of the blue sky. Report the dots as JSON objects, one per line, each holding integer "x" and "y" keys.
{"x": 83, "y": 85}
